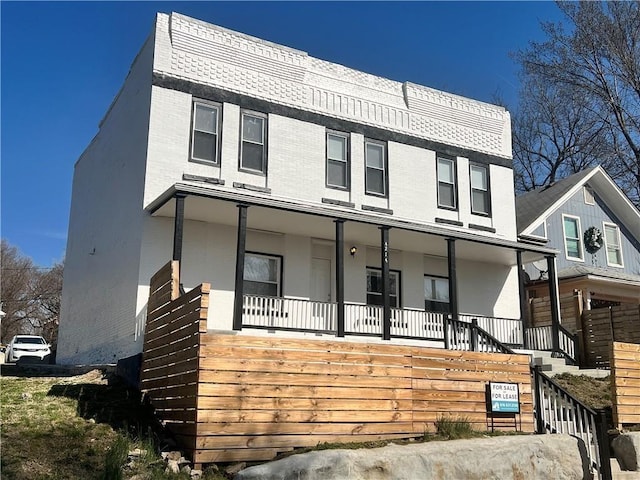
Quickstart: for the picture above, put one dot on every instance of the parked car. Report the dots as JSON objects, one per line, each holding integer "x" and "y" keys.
{"x": 28, "y": 347}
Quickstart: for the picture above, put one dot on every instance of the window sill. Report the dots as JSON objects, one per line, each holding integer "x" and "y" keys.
{"x": 371, "y": 208}
{"x": 482, "y": 228}
{"x": 446, "y": 221}
{"x": 199, "y": 178}
{"x": 253, "y": 188}
{"x": 340, "y": 203}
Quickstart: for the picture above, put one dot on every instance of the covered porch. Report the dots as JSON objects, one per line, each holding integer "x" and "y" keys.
{"x": 330, "y": 270}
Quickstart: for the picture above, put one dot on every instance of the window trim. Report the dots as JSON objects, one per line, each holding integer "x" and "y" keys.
{"x": 347, "y": 160}
{"x": 398, "y": 273}
{"x": 454, "y": 164}
{"x": 218, "y": 107}
{"x": 606, "y": 249}
{"x": 280, "y": 259}
{"x": 265, "y": 135}
{"x": 488, "y": 190}
{"x": 385, "y": 168}
{"x": 580, "y": 240}
{"x": 443, "y": 277}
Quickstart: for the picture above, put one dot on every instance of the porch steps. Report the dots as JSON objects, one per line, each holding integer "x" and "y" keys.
{"x": 556, "y": 366}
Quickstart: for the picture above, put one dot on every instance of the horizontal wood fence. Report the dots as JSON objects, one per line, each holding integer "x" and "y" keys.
{"x": 603, "y": 326}
{"x": 169, "y": 372}
{"x": 540, "y": 311}
{"x": 625, "y": 379}
{"x": 259, "y": 396}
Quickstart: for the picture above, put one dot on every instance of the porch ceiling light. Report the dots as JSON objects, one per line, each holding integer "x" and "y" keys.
{"x": 353, "y": 250}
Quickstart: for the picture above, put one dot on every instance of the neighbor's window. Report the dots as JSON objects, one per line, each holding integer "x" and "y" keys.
{"x": 376, "y": 170}
{"x": 374, "y": 287}
{"x": 436, "y": 294}
{"x": 446, "y": 183}
{"x": 205, "y": 133}
{"x": 479, "y": 190}
{"x": 572, "y": 237}
{"x": 337, "y": 160}
{"x": 253, "y": 147}
{"x": 262, "y": 275}
{"x": 612, "y": 242}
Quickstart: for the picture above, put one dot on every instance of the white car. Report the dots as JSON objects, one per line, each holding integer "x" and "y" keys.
{"x": 27, "y": 346}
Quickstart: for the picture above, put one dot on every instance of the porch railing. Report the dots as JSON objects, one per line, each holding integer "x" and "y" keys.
{"x": 288, "y": 314}
{"x": 541, "y": 338}
{"x": 556, "y": 411}
{"x": 305, "y": 315}
{"x": 506, "y": 330}
{"x": 471, "y": 337}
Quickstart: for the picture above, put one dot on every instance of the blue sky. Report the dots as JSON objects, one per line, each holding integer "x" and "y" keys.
{"x": 63, "y": 62}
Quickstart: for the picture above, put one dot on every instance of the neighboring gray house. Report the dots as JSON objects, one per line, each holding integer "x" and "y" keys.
{"x": 560, "y": 215}
{"x": 316, "y": 200}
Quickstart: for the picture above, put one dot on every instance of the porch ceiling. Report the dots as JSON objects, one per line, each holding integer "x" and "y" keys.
{"x": 203, "y": 209}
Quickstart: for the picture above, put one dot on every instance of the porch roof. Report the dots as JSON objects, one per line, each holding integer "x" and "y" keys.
{"x": 198, "y": 207}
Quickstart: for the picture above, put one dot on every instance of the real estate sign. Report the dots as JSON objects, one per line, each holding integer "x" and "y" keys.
{"x": 504, "y": 397}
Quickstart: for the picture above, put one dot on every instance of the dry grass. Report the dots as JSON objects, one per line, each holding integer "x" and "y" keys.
{"x": 593, "y": 392}
{"x": 79, "y": 427}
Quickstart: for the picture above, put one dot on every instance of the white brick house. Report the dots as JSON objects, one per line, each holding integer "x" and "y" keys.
{"x": 346, "y": 202}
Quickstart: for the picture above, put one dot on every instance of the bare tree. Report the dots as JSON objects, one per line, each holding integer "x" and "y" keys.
{"x": 30, "y": 295}
{"x": 591, "y": 67}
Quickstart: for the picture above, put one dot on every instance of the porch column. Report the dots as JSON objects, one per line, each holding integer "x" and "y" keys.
{"x": 453, "y": 287}
{"x": 523, "y": 296}
{"x": 340, "y": 275}
{"x": 178, "y": 227}
{"x": 240, "y": 252}
{"x": 386, "y": 283}
{"x": 554, "y": 303}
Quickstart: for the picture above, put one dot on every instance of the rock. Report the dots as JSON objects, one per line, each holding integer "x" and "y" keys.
{"x": 186, "y": 469}
{"x": 235, "y": 468}
{"x": 137, "y": 453}
{"x": 171, "y": 455}
{"x": 26, "y": 396}
{"x": 626, "y": 447}
{"x": 196, "y": 474}
{"x": 530, "y": 457}
{"x": 92, "y": 420}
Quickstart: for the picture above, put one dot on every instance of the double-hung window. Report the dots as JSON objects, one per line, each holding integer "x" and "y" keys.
{"x": 572, "y": 237}
{"x": 436, "y": 294}
{"x": 262, "y": 275}
{"x": 374, "y": 287}
{"x": 612, "y": 242}
{"x": 479, "y": 190}
{"x": 253, "y": 144}
{"x": 446, "y": 183}
{"x": 337, "y": 160}
{"x": 375, "y": 168}
{"x": 205, "y": 134}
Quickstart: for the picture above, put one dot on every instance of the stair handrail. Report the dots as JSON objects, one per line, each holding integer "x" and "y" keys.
{"x": 592, "y": 424}
{"x": 573, "y": 338}
{"x": 476, "y": 332}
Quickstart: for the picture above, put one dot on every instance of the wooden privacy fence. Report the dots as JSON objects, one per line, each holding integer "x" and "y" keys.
{"x": 603, "y": 326}
{"x": 625, "y": 383}
{"x": 570, "y": 308}
{"x": 169, "y": 372}
{"x": 236, "y": 397}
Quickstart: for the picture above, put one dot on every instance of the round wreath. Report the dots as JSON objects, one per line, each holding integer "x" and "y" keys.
{"x": 593, "y": 240}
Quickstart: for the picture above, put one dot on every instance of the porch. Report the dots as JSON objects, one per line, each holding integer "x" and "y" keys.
{"x": 349, "y": 273}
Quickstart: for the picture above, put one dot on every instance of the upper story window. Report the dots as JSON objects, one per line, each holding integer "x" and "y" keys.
{"x": 572, "y": 237}
{"x": 480, "y": 203}
{"x": 436, "y": 294}
{"x": 446, "y": 183}
{"x": 253, "y": 144}
{"x": 589, "y": 199}
{"x": 205, "y": 134}
{"x": 337, "y": 160}
{"x": 612, "y": 242}
{"x": 376, "y": 168}
{"x": 374, "y": 287}
{"x": 262, "y": 275}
